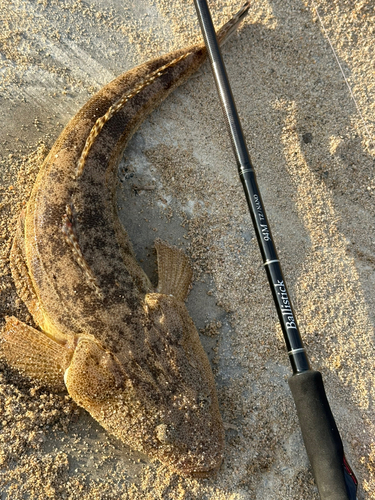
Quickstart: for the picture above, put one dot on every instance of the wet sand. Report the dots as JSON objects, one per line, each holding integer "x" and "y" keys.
{"x": 315, "y": 166}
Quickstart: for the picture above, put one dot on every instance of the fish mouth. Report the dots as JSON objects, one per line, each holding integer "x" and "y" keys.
{"x": 198, "y": 473}
{"x": 194, "y": 467}
{"x": 201, "y": 474}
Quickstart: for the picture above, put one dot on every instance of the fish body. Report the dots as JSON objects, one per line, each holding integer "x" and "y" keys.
{"x": 127, "y": 353}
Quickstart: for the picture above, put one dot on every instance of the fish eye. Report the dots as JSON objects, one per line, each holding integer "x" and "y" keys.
{"x": 165, "y": 433}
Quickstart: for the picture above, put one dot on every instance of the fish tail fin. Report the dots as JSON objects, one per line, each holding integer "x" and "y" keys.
{"x": 230, "y": 27}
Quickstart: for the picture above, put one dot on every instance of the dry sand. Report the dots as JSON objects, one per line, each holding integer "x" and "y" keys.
{"x": 315, "y": 165}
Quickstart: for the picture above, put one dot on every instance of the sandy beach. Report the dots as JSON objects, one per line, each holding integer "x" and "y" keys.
{"x": 313, "y": 150}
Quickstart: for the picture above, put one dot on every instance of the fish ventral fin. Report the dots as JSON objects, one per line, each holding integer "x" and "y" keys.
{"x": 33, "y": 354}
{"x": 174, "y": 269}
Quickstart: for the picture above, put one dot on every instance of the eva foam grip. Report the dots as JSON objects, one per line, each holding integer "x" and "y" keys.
{"x": 321, "y": 436}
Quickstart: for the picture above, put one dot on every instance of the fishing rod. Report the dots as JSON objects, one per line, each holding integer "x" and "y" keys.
{"x": 333, "y": 475}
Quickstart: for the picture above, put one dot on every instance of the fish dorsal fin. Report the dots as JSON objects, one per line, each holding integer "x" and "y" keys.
{"x": 174, "y": 269}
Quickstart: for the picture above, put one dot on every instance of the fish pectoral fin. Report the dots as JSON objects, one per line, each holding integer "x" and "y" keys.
{"x": 175, "y": 272}
{"x": 94, "y": 375}
{"x": 33, "y": 353}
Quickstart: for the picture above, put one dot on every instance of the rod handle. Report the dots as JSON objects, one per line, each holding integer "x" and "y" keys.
{"x": 333, "y": 476}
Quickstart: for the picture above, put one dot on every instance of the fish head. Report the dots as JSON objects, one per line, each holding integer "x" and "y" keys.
{"x": 159, "y": 398}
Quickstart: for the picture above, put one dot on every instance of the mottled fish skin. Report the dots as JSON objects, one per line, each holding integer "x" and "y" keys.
{"x": 130, "y": 355}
